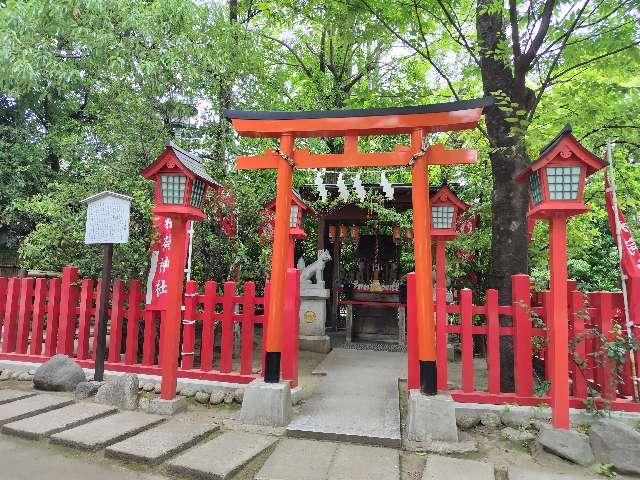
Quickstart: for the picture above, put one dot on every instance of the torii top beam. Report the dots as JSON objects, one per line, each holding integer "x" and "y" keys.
{"x": 351, "y": 124}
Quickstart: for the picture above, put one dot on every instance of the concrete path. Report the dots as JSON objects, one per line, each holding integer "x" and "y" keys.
{"x": 9, "y": 395}
{"x": 30, "y": 406}
{"x": 106, "y": 431}
{"x": 45, "y": 424}
{"x": 448, "y": 468}
{"x": 26, "y": 460}
{"x": 313, "y": 460}
{"x": 357, "y": 400}
{"x": 159, "y": 443}
{"x": 222, "y": 457}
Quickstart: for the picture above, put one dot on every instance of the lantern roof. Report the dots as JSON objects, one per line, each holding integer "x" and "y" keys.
{"x": 445, "y": 194}
{"x": 564, "y": 145}
{"x": 296, "y": 199}
{"x": 189, "y": 162}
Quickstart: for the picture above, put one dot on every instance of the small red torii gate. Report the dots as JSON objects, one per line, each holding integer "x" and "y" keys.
{"x": 417, "y": 122}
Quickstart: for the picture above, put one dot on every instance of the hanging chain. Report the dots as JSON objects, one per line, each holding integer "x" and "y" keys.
{"x": 284, "y": 156}
{"x": 423, "y": 149}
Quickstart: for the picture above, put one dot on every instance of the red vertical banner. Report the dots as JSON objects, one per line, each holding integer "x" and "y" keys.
{"x": 156, "y": 297}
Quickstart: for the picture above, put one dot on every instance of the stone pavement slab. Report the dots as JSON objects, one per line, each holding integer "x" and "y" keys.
{"x": 526, "y": 474}
{"x": 106, "y": 431}
{"x": 10, "y": 395}
{"x": 158, "y": 443}
{"x": 299, "y": 460}
{"x": 48, "y": 423}
{"x": 295, "y": 459}
{"x": 449, "y": 468}
{"x": 220, "y": 458}
{"x": 357, "y": 400}
{"x": 30, "y": 406}
{"x": 359, "y": 462}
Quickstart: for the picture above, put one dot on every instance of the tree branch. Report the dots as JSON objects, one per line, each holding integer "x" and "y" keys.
{"x": 515, "y": 29}
{"x": 304, "y": 67}
{"x": 524, "y": 61}
{"x": 594, "y": 59}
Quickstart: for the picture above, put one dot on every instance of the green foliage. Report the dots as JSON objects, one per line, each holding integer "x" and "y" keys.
{"x": 606, "y": 470}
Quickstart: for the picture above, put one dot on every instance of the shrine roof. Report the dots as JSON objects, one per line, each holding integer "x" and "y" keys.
{"x": 459, "y": 115}
{"x": 191, "y": 162}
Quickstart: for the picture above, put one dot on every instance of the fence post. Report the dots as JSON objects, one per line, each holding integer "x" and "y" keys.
{"x": 11, "y": 316}
{"x": 35, "y": 348}
{"x": 576, "y": 305}
{"x": 133, "y": 319}
{"x": 466, "y": 318}
{"x": 493, "y": 342}
{"x": 117, "y": 309}
{"x": 3, "y": 300}
{"x": 441, "y": 338}
{"x": 608, "y": 376}
{"x": 189, "y": 324}
{"x": 67, "y": 319}
{"x": 248, "y": 317}
{"x": 96, "y": 317}
{"x": 265, "y": 321}
{"x": 413, "y": 366}
{"x": 226, "y": 352}
{"x": 523, "y": 351}
{"x": 547, "y": 317}
{"x": 84, "y": 323}
{"x": 53, "y": 315}
{"x": 208, "y": 337}
{"x": 149, "y": 343}
{"x": 291, "y": 327}
{"x": 24, "y": 314}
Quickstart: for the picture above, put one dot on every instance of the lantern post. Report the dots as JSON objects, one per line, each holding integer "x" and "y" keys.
{"x": 556, "y": 189}
{"x": 180, "y": 187}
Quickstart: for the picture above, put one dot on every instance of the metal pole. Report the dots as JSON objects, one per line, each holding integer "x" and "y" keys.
{"x": 623, "y": 277}
{"x": 107, "y": 262}
{"x": 190, "y": 231}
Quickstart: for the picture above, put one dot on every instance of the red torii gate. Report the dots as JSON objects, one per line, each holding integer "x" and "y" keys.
{"x": 417, "y": 122}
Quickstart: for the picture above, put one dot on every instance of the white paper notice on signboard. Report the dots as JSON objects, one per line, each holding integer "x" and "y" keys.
{"x": 107, "y": 218}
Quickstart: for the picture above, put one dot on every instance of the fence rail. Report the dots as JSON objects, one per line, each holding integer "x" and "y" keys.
{"x": 43, "y": 317}
{"x": 592, "y": 376}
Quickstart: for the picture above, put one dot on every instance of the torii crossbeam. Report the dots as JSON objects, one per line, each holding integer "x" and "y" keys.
{"x": 351, "y": 124}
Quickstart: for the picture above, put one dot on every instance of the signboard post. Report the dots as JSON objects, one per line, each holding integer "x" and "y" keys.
{"x": 107, "y": 223}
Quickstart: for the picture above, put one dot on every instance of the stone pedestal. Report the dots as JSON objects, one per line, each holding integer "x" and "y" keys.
{"x": 266, "y": 404}
{"x": 431, "y": 418}
{"x": 313, "y": 315}
{"x": 160, "y": 406}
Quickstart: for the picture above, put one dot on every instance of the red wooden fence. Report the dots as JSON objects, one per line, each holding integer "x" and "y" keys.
{"x": 527, "y": 315}
{"x": 40, "y": 318}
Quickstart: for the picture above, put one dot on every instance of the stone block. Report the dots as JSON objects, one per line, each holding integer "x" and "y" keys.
{"x": 441, "y": 468}
{"x": 46, "y": 424}
{"x": 87, "y": 389}
{"x": 314, "y": 343}
{"x": 360, "y": 462}
{"x": 159, "y": 443}
{"x": 617, "y": 443}
{"x": 298, "y": 460}
{"x": 30, "y": 406}
{"x": 106, "y": 431}
{"x": 9, "y": 395}
{"x": 431, "y": 418}
{"x": 58, "y": 374}
{"x": 160, "y": 406}
{"x": 516, "y": 435}
{"x": 222, "y": 457}
{"x": 516, "y": 473}
{"x": 266, "y": 404}
{"x": 567, "y": 444}
{"x": 202, "y": 397}
{"x": 491, "y": 420}
{"x": 120, "y": 391}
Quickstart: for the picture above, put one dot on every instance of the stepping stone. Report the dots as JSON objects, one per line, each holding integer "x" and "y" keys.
{"x": 48, "y": 423}
{"x": 106, "y": 431}
{"x": 30, "y": 406}
{"x": 298, "y": 460}
{"x": 439, "y": 468}
{"x": 358, "y": 462}
{"x": 315, "y": 460}
{"x": 155, "y": 445}
{"x": 222, "y": 457}
{"x": 9, "y": 395}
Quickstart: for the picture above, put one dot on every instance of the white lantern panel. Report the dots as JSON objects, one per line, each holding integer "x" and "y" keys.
{"x": 563, "y": 182}
{"x": 173, "y": 187}
{"x": 442, "y": 216}
{"x": 293, "y": 218}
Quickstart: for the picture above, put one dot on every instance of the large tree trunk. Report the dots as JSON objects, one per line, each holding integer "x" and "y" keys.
{"x": 508, "y": 156}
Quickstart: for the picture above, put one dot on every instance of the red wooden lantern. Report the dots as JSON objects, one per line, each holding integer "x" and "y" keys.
{"x": 332, "y": 233}
{"x": 180, "y": 186}
{"x": 556, "y": 179}
{"x": 556, "y": 188}
{"x": 446, "y": 207}
{"x": 180, "y": 183}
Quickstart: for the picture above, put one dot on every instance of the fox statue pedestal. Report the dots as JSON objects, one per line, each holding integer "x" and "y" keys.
{"x": 313, "y": 306}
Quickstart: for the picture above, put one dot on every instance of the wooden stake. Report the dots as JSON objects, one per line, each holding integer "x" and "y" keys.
{"x": 107, "y": 262}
